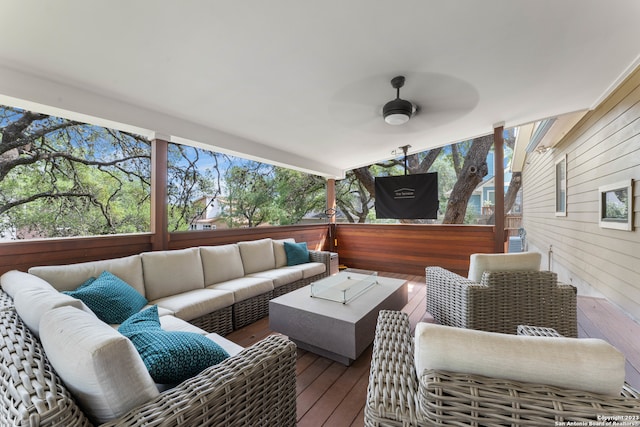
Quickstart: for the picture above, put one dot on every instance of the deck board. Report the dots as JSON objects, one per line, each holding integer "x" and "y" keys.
{"x": 331, "y": 394}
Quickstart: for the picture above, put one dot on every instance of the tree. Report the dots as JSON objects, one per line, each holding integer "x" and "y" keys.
{"x": 61, "y": 177}
{"x": 472, "y": 172}
{"x": 192, "y": 173}
{"x": 251, "y": 191}
{"x": 297, "y": 195}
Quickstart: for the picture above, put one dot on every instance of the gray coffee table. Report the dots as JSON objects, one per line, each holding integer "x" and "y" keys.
{"x": 338, "y": 331}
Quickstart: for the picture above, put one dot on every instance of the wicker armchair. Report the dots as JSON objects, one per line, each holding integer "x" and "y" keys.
{"x": 398, "y": 396}
{"x": 502, "y": 301}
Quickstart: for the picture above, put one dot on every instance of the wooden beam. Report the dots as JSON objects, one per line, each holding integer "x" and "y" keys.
{"x": 159, "y": 215}
{"x": 498, "y": 149}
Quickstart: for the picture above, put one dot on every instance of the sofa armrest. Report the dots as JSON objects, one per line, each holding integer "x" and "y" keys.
{"x": 463, "y": 398}
{"x": 255, "y": 387}
{"x": 447, "y": 296}
{"x": 393, "y": 385}
{"x": 323, "y": 257}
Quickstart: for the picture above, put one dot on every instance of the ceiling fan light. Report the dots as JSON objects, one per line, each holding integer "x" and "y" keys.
{"x": 397, "y": 112}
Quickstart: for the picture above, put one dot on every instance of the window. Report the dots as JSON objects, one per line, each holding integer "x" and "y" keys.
{"x": 62, "y": 178}
{"x": 615, "y": 205}
{"x": 561, "y": 187}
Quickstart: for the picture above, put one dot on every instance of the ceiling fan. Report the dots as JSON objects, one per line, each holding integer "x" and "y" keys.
{"x": 398, "y": 111}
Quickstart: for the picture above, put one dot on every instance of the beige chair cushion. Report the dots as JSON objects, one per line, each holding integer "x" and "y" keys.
{"x": 69, "y": 277}
{"x": 279, "y": 252}
{"x": 579, "y": 364}
{"x": 221, "y": 263}
{"x": 98, "y": 365}
{"x": 257, "y": 255}
{"x": 15, "y": 281}
{"x": 479, "y": 263}
{"x": 171, "y": 272}
{"x": 32, "y": 303}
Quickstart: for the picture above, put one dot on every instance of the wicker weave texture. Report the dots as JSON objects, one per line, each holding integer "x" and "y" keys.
{"x": 219, "y": 321}
{"x": 396, "y": 398}
{"x": 255, "y": 388}
{"x": 32, "y": 393}
{"x": 502, "y": 301}
{"x": 393, "y": 385}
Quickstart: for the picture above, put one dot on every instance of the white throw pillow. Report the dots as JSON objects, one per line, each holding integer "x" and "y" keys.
{"x": 479, "y": 263}
{"x": 99, "y": 366}
{"x": 578, "y": 364}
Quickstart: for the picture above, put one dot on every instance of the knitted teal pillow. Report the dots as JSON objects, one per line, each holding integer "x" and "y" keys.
{"x": 297, "y": 253}
{"x": 109, "y": 297}
{"x": 170, "y": 356}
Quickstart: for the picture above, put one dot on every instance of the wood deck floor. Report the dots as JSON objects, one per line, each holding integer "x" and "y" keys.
{"x": 331, "y": 394}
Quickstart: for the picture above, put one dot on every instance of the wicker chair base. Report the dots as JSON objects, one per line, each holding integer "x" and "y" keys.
{"x": 32, "y": 394}
{"x": 220, "y": 321}
{"x": 251, "y": 310}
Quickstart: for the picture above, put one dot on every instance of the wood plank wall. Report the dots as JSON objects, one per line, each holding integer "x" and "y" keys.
{"x": 398, "y": 248}
{"x": 408, "y": 249}
{"x": 603, "y": 148}
{"x": 20, "y": 255}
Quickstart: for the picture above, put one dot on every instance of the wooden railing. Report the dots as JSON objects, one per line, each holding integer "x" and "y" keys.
{"x": 399, "y": 248}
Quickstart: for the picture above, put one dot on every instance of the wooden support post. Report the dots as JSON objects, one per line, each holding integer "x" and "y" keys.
{"x": 159, "y": 213}
{"x": 331, "y": 211}
{"x": 498, "y": 148}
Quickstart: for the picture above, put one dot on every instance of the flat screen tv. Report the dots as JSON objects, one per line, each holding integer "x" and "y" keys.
{"x": 407, "y": 196}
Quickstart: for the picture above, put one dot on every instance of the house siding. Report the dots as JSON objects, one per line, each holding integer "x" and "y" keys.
{"x": 603, "y": 148}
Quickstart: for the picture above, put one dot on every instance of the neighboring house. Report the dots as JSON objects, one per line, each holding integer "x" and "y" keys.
{"x": 602, "y": 149}
{"x": 210, "y": 214}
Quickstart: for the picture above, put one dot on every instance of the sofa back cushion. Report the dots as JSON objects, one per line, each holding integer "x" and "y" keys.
{"x": 479, "y": 263}
{"x": 70, "y": 276}
{"x": 257, "y": 255}
{"x": 279, "y": 252}
{"x": 99, "y": 366}
{"x": 15, "y": 281}
{"x": 578, "y": 364}
{"x": 169, "y": 273}
{"x": 32, "y": 303}
{"x": 221, "y": 263}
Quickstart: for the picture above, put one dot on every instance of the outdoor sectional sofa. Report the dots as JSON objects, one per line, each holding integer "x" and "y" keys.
{"x": 62, "y": 365}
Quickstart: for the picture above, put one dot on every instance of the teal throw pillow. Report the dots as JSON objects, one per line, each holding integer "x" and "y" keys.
{"x": 297, "y": 253}
{"x": 170, "y": 356}
{"x": 109, "y": 297}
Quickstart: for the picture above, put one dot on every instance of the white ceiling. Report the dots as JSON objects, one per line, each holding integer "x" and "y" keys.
{"x": 301, "y": 82}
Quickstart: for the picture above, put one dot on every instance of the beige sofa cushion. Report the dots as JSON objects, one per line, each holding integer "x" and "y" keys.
{"x": 196, "y": 303}
{"x": 15, "y": 281}
{"x": 245, "y": 287}
{"x": 479, "y": 263}
{"x": 221, "y": 263}
{"x": 32, "y": 303}
{"x": 309, "y": 269}
{"x": 280, "y": 276}
{"x": 98, "y": 365}
{"x": 171, "y": 272}
{"x": 279, "y": 252}
{"x": 578, "y": 364}
{"x": 69, "y": 277}
{"x": 257, "y": 255}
